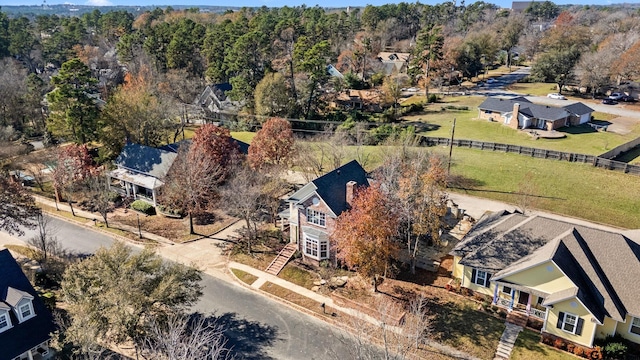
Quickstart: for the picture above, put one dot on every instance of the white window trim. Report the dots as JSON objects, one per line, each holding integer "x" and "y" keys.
{"x": 484, "y": 279}
{"x": 319, "y": 243}
{"x": 631, "y": 326}
{"x": 30, "y": 305}
{"x": 575, "y": 325}
{"x": 316, "y": 216}
{"x": 8, "y": 318}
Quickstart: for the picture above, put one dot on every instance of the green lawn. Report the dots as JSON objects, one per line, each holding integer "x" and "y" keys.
{"x": 529, "y": 347}
{"x": 538, "y": 89}
{"x": 244, "y": 276}
{"x": 573, "y": 189}
{"x": 437, "y": 122}
{"x": 298, "y": 276}
{"x": 244, "y": 136}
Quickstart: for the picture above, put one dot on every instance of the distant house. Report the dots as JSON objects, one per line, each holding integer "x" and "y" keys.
{"x": 394, "y": 63}
{"x": 214, "y": 101}
{"x": 25, "y": 322}
{"x": 520, "y": 6}
{"x": 358, "y": 99}
{"x": 533, "y": 116}
{"x": 314, "y": 208}
{"x": 576, "y": 281}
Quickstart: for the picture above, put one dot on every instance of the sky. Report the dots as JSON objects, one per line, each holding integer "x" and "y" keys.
{"x": 279, "y": 3}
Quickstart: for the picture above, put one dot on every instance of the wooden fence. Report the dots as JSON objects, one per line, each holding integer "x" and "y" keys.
{"x": 536, "y": 153}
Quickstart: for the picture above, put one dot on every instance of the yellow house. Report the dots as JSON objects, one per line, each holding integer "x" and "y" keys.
{"x": 579, "y": 281}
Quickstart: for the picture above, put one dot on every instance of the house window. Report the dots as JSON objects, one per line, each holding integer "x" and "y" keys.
{"x": 315, "y": 248}
{"x": 506, "y": 290}
{"x": 25, "y": 311}
{"x": 569, "y": 323}
{"x": 316, "y": 217}
{"x": 635, "y": 326}
{"x": 4, "y": 321}
{"x": 480, "y": 277}
{"x": 540, "y": 300}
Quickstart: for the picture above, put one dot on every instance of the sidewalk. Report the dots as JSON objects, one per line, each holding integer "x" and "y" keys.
{"x": 89, "y": 222}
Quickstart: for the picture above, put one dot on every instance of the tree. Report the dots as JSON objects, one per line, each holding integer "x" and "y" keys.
{"x": 392, "y": 90}
{"x": 428, "y": 50}
{"x": 45, "y": 240}
{"x": 99, "y": 196}
{"x": 272, "y": 96}
{"x": 216, "y": 143}
{"x": 74, "y": 165}
{"x": 364, "y": 235}
{"x": 311, "y": 58}
{"x": 556, "y": 66}
{"x": 242, "y": 195}
{"x": 595, "y": 70}
{"x": 185, "y": 337}
{"x": 116, "y": 293}
{"x": 191, "y": 185}
{"x": 273, "y": 145}
{"x": 18, "y": 207}
{"x": 73, "y": 110}
{"x": 510, "y": 35}
{"x": 414, "y": 180}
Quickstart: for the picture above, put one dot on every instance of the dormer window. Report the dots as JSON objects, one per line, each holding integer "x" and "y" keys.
{"x": 26, "y": 311}
{"x": 5, "y": 321}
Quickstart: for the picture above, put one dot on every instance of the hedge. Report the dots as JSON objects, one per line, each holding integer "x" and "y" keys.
{"x": 143, "y": 207}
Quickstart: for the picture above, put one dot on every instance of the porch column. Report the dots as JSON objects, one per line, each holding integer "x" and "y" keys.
{"x": 495, "y": 294}
{"x": 511, "y": 295}
{"x": 126, "y": 188}
{"x": 133, "y": 188}
{"x": 529, "y": 304}
{"x": 153, "y": 194}
{"x": 29, "y": 355}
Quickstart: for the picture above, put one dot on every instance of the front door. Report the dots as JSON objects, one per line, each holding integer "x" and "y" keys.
{"x": 523, "y": 298}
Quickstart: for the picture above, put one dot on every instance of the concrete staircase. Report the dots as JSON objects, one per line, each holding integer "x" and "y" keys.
{"x": 517, "y": 318}
{"x": 281, "y": 260}
{"x": 508, "y": 339}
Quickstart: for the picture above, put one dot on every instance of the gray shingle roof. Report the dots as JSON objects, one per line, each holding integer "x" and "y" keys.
{"x": 14, "y": 296}
{"x": 603, "y": 265}
{"x": 578, "y": 108}
{"x": 544, "y": 112}
{"x": 146, "y": 160}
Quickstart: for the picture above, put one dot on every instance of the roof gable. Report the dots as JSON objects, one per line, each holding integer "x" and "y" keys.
{"x": 145, "y": 159}
{"x": 22, "y": 336}
{"x": 578, "y": 108}
{"x": 332, "y": 186}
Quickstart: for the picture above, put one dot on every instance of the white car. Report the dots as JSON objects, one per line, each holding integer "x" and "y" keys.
{"x": 556, "y": 96}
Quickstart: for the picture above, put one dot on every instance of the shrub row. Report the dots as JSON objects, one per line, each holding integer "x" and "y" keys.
{"x": 143, "y": 207}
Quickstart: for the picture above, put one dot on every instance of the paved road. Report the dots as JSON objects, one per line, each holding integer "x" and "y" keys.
{"x": 256, "y": 327}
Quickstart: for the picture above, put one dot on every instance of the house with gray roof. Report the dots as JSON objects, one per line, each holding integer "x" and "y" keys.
{"x": 25, "y": 322}
{"x": 578, "y": 281}
{"x": 314, "y": 209}
{"x": 520, "y": 113}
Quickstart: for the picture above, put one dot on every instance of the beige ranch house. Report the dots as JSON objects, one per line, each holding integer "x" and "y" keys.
{"x": 579, "y": 281}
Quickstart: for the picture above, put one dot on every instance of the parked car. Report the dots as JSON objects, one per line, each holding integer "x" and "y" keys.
{"x": 616, "y": 96}
{"x": 556, "y": 96}
{"x": 627, "y": 98}
{"x": 609, "y": 101}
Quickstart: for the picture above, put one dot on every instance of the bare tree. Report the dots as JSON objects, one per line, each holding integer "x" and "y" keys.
{"x": 45, "y": 240}
{"x": 242, "y": 196}
{"x": 99, "y": 196}
{"x": 526, "y": 193}
{"x": 185, "y": 337}
{"x": 18, "y": 208}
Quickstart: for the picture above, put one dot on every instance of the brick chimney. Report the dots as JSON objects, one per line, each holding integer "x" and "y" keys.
{"x": 351, "y": 187}
{"x": 514, "y": 116}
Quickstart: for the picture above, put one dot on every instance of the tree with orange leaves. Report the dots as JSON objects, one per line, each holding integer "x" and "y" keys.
{"x": 273, "y": 144}
{"x": 364, "y": 236}
{"x": 74, "y": 165}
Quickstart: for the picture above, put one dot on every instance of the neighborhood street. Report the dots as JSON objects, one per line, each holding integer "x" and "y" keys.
{"x": 256, "y": 327}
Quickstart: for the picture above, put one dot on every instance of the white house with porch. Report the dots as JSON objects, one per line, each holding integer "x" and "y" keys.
{"x": 141, "y": 170}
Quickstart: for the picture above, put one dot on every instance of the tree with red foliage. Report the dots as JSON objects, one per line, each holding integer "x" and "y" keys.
{"x": 74, "y": 165}
{"x": 216, "y": 144}
{"x": 273, "y": 145}
{"x": 365, "y": 234}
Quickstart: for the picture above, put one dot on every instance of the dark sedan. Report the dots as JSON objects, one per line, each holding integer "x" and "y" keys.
{"x": 609, "y": 101}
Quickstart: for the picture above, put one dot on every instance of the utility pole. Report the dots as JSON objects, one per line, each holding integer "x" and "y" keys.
{"x": 453, "y": 130}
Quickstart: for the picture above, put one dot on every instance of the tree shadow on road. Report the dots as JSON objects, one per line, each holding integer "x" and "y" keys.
{"x": 246, "y": 339}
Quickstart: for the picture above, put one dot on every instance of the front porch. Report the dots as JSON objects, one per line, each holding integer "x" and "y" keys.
{"x": 134, "y": 185}
{"x": 522, "y": 300}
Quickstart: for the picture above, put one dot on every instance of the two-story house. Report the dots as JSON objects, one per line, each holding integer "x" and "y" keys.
{"x": 25, "y": 322}
{"x": 314, "y": 208}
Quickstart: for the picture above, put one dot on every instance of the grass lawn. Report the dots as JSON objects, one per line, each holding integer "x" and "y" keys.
{"x": 537, "y": 89}
{"x": 573, "y": 189}
{"x": 582, "y": 139}
{"x": 529, "y": 347}
{"x": 298, "y": 276}
{"x": 244, "y": 276}
{"x": 244, "y": 136}
{"x": 23, "y": 250}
